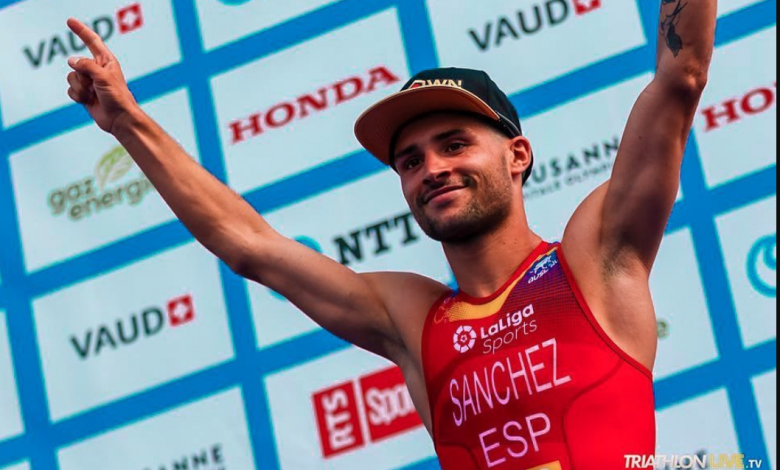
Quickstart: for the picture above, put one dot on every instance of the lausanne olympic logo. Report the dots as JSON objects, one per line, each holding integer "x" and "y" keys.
{"x": 465, "y": 339}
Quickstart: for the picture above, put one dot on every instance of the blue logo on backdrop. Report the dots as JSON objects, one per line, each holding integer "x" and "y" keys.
{"x": 234, "y": 3}
{"x": 761, "y": 260}
{"x": 306, "y": 241}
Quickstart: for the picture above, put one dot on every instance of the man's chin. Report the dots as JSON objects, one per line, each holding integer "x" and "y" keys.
{"x": 443, "y": 213}
{"x": 451, "y": 229}
{"x": 455, "y": 234}
{"x": 446, "y": 216}
{"x": 458, "y": 225}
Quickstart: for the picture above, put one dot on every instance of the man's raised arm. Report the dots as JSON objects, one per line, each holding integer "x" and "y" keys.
{"x": 638, "y": 200}
{"x": 350, "y": 305}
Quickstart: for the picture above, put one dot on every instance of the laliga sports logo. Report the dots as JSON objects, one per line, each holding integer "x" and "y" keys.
{"x": 762, "y": 266}
{"x": 465, "y": 339}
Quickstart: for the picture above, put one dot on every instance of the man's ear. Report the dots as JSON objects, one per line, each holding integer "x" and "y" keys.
{"x": 520, "y": 148}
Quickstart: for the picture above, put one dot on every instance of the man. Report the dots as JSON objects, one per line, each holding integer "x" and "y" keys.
{"x": 543, "y": 358}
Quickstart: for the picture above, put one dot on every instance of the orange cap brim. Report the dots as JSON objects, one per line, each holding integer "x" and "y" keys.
{"x": 377, "y": 127}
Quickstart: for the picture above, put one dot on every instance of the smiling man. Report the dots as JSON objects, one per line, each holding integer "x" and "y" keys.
{"x": 543, "y": 358}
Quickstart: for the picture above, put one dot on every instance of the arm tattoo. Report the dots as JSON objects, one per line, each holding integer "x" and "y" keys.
{"x": 669, "y": 26}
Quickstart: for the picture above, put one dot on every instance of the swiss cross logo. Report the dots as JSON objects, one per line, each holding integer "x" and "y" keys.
{"x": 367, "y": 410}
{"x": 181, "y": 311}
{"x": 125, "y": 331}
{"x": 583, "y": 7}
{"x": 130, "y": 18}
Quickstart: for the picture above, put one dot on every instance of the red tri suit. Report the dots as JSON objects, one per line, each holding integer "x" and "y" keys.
{"x": 527, "y": 379}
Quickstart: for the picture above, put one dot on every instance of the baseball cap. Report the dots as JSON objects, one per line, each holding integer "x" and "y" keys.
{"x": 431, "y": 91}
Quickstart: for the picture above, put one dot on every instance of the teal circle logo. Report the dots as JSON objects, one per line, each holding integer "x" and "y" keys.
{"x": 761, "y": 260}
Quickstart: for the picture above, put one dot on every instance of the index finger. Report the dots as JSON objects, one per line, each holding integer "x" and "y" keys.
{"x": 93, "y": 41}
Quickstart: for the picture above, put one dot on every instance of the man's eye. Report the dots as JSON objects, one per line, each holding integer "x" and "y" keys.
{"x": 456, "y": 147}
{"x": 412, "y": 163}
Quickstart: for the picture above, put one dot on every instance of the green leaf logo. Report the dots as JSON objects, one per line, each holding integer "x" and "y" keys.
{"x": 113, "y": 166}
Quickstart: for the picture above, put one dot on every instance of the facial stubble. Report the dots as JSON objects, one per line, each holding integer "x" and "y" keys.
{"x": 487, "y": 210}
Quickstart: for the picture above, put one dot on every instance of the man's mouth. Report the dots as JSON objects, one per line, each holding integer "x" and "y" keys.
{"x": 440, "y": 192}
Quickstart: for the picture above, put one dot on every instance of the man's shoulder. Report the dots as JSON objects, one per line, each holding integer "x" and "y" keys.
{"x": 407, "y": 291}
{"x": 409, "y": 299}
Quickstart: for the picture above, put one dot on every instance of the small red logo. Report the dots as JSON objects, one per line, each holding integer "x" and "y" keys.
{"x": 583, "y": 7}
{"x": 387, "y": 411}
{"x": 753, "y": 103}
{"x": 338, "y": 420}
{"x": 388, "y": 406}
{"x": 181, "y": 311}
{"x": 130, "y": 18}
{"x": 303, "y": 107}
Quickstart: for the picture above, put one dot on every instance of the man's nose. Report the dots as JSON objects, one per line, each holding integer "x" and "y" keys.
{"x": 436, "y": 168}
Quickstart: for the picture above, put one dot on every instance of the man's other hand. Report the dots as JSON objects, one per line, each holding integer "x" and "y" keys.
{"x": 98, "y": 83}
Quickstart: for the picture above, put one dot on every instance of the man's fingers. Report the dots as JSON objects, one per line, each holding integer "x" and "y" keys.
{"x": 90, "y": 38}
{"x": 84, "y": 79}
{"x": 76, "y": 82}
{"x": 75, "y": 96}
{"x": 78, "y": 91}
{"x": 87, "y": 67}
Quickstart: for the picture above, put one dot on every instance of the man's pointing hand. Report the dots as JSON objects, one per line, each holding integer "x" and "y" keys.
{"x": 98, "y": 83}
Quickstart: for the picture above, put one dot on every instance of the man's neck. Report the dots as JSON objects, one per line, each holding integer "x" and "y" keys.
{"x": 484, "y": 265}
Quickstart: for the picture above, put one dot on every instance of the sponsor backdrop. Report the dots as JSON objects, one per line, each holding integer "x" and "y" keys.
{"x": 126, "y": 346}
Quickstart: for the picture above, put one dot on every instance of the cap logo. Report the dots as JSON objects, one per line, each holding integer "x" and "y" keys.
{"x": 429, "y": 83}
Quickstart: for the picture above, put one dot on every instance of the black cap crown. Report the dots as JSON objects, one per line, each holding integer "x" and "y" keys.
{"x": 431, "y": 91}
{"x": 477, "y": 82}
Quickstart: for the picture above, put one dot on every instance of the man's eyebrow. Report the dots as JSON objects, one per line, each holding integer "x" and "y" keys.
{"x": 438, "y": 138}
{"x": 410, "y": 150}
{"x": 449, "y": 134}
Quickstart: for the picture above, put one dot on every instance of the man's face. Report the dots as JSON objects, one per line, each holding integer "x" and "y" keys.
{"x": 455, "y": 176}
